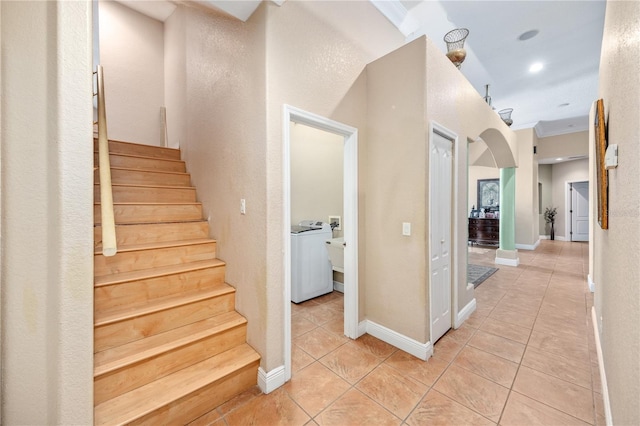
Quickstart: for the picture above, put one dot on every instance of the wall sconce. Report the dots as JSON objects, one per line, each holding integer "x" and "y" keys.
{"x": 455, "y": 45}
{"x": 505, "y": 114}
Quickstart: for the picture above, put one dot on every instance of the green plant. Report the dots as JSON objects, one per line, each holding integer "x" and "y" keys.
{"x": 550, "y": 214}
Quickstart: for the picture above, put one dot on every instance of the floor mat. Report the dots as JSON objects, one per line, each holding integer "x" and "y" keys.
{"x": 476, "y": 274}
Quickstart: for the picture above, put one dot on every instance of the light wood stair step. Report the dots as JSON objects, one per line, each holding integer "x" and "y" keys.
{"x": 186, "y": 394}
{"x": 129, "y": 161}
{"x": 145, "y": 177}
{"x": 133, "y": 213}
{"x": 126, "y": 193}
{"x": 116, "y": 291}
{"x": 155, "y": 232}
{"x": 151, "y": 255}
{"x": 130, "y": 148}
{"x": 114, "y": 328}
{"x": 123, "y": 368}
{"x": 161, "y": 271}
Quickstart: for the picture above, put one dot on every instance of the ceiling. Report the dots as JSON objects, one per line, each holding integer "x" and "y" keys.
{"x": 555, "y": 100}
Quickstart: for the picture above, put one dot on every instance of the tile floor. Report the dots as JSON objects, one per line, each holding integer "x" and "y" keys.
{"x": 526, "y": 356}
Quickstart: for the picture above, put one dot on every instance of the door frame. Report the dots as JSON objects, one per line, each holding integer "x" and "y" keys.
{"x": 568, "y": 221}
{"x": 350, "y": 220}
{"x": 436, "y": 128}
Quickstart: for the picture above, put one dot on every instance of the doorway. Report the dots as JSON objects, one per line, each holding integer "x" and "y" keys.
{"x": 349, "y": 221}
{"x": 578, "y": 211}
{"x": 440, "y": 239}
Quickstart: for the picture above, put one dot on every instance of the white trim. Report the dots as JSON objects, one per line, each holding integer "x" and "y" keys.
{"x": 362, "y": 328}
{"x": 545, "y": 237}
{"x": 434, "y": 127}
{"x": 528, "y": 246}
{"x": 268, "y": 382}
{"x": 338, "y": 286}
{"x": 507, "y": 262}
{"x": 561, "y": 238}
{"x": 465, "y": 313}
{"x": 603, "y": 377}
{"x": 400, "y": 341}
{"x": 350, "y": 220}
{"x": 592, "y": 285}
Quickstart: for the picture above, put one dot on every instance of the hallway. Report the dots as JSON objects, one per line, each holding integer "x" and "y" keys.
{"x": 526, "y": 356}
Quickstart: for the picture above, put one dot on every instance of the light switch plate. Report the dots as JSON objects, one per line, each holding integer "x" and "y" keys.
{"x": 406, "y": 228}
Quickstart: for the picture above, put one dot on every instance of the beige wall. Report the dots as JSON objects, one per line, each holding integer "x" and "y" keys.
{"x": 561, "y": 175}
{"x": 616, "y": 268}
{"x": 316, "y": 174}
{"x": 544, "y": 178}
{"x": 175, "y": 81}
{"x": 132, "y": 54}
{"x": 568, "y": 145}
{"x": 47, "y": 236}
{"x": 527, "y": 219}
{"x": 475, "y": 173}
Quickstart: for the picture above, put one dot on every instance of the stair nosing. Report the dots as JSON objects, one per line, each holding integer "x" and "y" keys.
{"x": 162, "y": 271}
{"x": 140, "y": 144}
{"x": 190, "y": 203}
{"x": 235, "y": 320}
{"x": 142, "y": 156}
{"x": 157, "y": 245}
{"x": 216, "y": 371}
{"x": 163, "y": 304}
{"x": 151, "y": 171}
{"x": 138, "y": 185}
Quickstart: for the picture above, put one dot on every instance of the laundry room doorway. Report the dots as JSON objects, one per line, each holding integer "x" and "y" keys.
{"x": 310, "y": 195}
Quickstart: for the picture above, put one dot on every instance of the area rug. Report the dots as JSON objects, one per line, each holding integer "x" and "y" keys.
{"x": 476, "y": 274}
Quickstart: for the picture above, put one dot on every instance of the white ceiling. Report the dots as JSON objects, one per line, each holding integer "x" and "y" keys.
{"x": 554, "y": 101}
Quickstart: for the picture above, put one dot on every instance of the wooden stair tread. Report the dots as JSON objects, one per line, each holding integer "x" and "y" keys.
{"x": 145, "y": 399}
{"x": 161, "y": 304}
{"x": 158, "y": 245}
{"x": 130, "y": 353}
{"x": 140, "y": 185}
{"x": 160, "y": 172}
{"x": 160, "y": 148}
{"x": 160, "y": 271}
{"x": 143, "y": 156}
{"x": 195, "y": 203}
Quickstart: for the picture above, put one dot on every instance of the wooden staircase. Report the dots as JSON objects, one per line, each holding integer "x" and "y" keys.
{"x": 168, "y": 344}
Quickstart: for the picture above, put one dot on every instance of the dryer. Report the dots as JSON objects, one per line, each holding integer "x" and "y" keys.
{"x": 311, "y": 270}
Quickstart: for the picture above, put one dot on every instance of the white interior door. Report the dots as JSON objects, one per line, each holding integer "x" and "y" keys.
{"x": 580, "y": 211}
{"x": 440, "y": 213}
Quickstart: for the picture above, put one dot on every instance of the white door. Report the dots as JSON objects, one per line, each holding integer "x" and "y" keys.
{"x": 580, "y": 211}
{"x": 440, "y": 212}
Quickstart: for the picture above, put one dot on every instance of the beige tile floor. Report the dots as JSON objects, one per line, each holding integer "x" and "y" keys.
{"x": 526, "y": 356}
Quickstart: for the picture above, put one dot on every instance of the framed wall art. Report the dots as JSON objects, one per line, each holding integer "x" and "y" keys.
{"x": 488, "y": 194}
{"x": 601, "y": 172}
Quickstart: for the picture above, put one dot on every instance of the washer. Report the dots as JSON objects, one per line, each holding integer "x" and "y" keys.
{"x": 311, "y": 271}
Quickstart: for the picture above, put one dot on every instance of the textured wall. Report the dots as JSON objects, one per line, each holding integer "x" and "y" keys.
{"x": 616, "y": 268}
{"x": 175, "y": 73}
{"x": 47, "y": 236}
{"x": 545, "y": 178}
{"x": 527, "y": 228}
{"x": 132, "y": 54}
{"x": 564, "y": 145}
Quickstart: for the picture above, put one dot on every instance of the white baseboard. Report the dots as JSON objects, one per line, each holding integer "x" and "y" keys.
{"x": 507, "y": 262}
{"x": 603, "y": 377}
{"x": 465, "y": 313}
{"x": 592, "y": 285}
{"x": 362, "y": 328}
{"x": 528, "y": 246}
{"x": 545, "y": 237}
{"x": 561, "y": 238}
{"x": 338, "y": 286}
{"x": 400, "y": 341}
{"x": 268, "y": 382}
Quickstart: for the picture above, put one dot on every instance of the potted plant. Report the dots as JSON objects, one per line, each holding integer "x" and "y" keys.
{"x": 550, "y": 217}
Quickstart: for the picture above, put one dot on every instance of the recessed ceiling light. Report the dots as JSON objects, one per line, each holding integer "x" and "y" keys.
{"x": 528, "y": 34}
{"x": 536, "y": 67}
{"x": 566, "y": 104}
{"x": 559, "y": 159}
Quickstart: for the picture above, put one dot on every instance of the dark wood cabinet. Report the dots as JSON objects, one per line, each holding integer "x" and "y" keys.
{"x": 484, "y": 231}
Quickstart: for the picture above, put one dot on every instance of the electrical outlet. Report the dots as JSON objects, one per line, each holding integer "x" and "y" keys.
{"x": 243, "y": 206}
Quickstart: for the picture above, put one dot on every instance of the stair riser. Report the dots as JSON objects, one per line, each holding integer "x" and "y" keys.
{"x": 137, "y": 293}
{"x": 110, "y": 335}
{"x": 121, "y": 381}
{"x": 153, "y": 213}
{"x": 204, "y": 400}
{"x": 155, "y": 233}
{"x": 159, "y": 164}
{"x": 117, "y": 147}
{"x": 138, "y": 194}
{"x": 142, "y": 177}
{"x": 125, "y": 261}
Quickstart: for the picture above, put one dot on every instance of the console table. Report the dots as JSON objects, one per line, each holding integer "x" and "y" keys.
{"x": 484, "y": 231}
